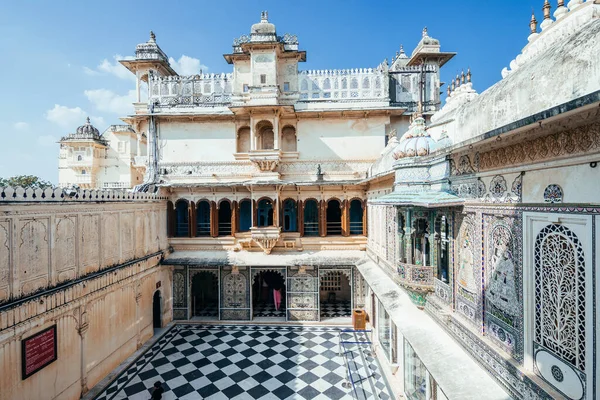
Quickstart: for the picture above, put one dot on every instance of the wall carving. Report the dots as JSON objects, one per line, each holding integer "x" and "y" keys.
{"x": 89, "y": 242}
{"x": 64, "y": 248}
{"x": 179, "y": 289}
{"x": 235, "y": 294}
{"x": 553, "y": 194}
{"x": 4, "y": 260}
{"x": 111, "y": 233}
{"x": 34, "y": 255}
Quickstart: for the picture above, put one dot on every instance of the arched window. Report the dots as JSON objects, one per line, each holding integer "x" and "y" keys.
{"x": 266, "y": 136}
{"x": 311, "y": 218}
{"x": 326, "y": 84}
{"x": 79, "y": 158}
{"x": 203, "y": 218}
{"x": 344, "y": 83}
{"x": 420, "y": 243}
{"x": 245, "y": 215}
{"x": 334, "y": 217}
{"x": 290, "y": 216}
{"x": 265, "y": 212}
{"x": 354, "y": 83}
{"x": 224, "y": 218}
{"x": 304, "y": 85}
{"x": 243, "y": 140}
{"x": 442, "y": 243}
{"x": 182, "y": 226}
{"x": 356, "y": 217}
{"x": 289, "y": 139}
{"x": 366, "y": 84}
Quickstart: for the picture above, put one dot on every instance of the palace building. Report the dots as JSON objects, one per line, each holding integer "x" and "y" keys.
{"x": 468, "y": 230}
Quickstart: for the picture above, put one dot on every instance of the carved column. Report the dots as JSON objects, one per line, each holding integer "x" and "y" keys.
{"x": 345, "y": 218}
{"x": 300, "y": 215}
{"x": 275, "y": 212}
{"x": 234, "y": 217}
{"x": 214, "y": 220}
{"x": 322, "y": 218}
{"x": 252, "y": 135}
{"x": 192, "y": 213}
{"x": 82, "y": 330}
{"x": 276, "y": 133}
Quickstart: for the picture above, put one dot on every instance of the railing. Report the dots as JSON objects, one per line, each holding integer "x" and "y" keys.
{"x": 356, "y": 228}
{"x": 83, "y": 179}
{"x": 344, "y": 85}
{"x": 203, "y": 229}
{"x": 311, "y": 229}
{"x": 334, "y": 228}
{"x": 116, "y": 185}
{"x": 416, "y": 276}
{"x": 182, "y": 229}
{"x": 197, "y": 90}
{"x": 84, "y": 161}
{"x": 224, "y": 228}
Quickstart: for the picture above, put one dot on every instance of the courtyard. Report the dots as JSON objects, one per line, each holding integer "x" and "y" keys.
{"x": 253, "y": 362}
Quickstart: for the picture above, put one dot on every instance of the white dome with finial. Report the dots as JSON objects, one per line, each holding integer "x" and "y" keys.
{"x": 264, "y": 30}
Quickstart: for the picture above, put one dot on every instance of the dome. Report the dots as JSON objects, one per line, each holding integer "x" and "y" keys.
{"x": 264, "y": 27}
{"x": 427, "y": 44}
{"x": 415, "y": 142}
{"x": 88, "y": 129}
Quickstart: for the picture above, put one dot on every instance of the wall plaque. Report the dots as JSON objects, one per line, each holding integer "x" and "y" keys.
{"x": 37, "y": 351}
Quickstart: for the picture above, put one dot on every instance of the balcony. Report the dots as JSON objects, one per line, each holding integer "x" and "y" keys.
{"x": 78, "y": 162}
{"x": 418, "y": 277}
{"x": 266, "y": 237}
{"x": 84, "y": 179}
{"x": 265, "y": 160}
{"x": 116, "y": 185}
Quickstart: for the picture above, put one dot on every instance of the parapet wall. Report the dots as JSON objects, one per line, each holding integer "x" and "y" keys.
{"x": 48, "y": 237}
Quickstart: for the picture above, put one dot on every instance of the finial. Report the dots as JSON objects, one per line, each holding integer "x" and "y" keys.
{"x": 469, "y": 75}
{"x": 449, "y": 90}
{"x": 264, "y": 16}
{"x": 561, "y": 3}
{"x": 546, "y": 9}
{"x": 419, "y": 109}
{"x": 401, "y": 49}
{"x": 533, "y": 23}
{"x": 425, "y": 32}
{"x": 457, "y": 80}
{"x": 453, "y": 85}
{"x": 462, "y": 77}
{"x": 87, "y": 120}
{"x": 152, "y": 36}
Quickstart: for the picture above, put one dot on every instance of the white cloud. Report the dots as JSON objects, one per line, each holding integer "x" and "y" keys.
{"x": 187, "y": 65}
{"x": 21, "y": 126}
{"x": 71, "y": 118}
{"x": 112, "y": 68}
{"x": 109, "y": 101}
{"x": 47, "y": 140}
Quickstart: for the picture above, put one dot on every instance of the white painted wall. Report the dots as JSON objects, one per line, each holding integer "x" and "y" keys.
{"x": 345, "y": 139}
{"x": 197, "y": 141}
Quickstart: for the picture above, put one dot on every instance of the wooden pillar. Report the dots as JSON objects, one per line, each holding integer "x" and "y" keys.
{"x": 275, "y": 212}
{"x": 364, "y": 206}
{"x": 214, "y": 220}
{"x": 322, "y": 218}
{"x": 345, "y": 218}
{"x": 234, "y": 217}
{"x": 254, "y": 213}
{"x": 192, "y": 213}
{"x": 300, "y": 216}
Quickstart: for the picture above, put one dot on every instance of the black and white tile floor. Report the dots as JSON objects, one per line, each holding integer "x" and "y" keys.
{"x": 267, "y": 310}
{"x": 247, "y": 362}
{"x": 336, "y": 310}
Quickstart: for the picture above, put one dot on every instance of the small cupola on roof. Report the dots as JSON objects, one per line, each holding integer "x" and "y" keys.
{"x": 400, "y": 60}
{"x": 148, "y": 57}
{"x": 417, "y": 142}
{"x": 85, "y": 132}
{"x": 428, "y": 51}
{"x": 264, "y": 31}
{"x": 150, "y": 50}
{"x": 427, "y": 44}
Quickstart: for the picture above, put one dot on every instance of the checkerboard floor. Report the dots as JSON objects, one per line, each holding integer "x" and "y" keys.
{"x": 246, "y": 362}
{"x": 336, "y": 310}
{"x": 267, "y": 310}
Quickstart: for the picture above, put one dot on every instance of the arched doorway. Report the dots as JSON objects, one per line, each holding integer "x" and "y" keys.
{"x": 245, "y": 215}
{"x": 182, "y": 227}
{"x": 334, "y": 217}
{"x": 268, "y": 294}
{"x": 311, "y": 218}
{"x": 224, "y": 218}
{"x": 290, "y": 215}
{"x": 335, "y": 294}
{"x": 203, "y": 218}
{"x": 156, "y": 310}
{"x": 265, "y": 212}
{"x": 205, "y": 294}
{"x": 356, "y": 217}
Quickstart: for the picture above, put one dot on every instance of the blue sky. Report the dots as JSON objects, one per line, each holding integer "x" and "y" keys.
{"x": 59, "y": 56}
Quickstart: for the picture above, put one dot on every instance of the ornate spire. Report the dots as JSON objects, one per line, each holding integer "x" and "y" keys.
{"x": 87, "y": 120}
{"x": 152, "y": 37}
{"x": 425, "y": 32}
{"x": 547, "y": 7}
{"x": 264, "y": 16}
{"x": 449, "y": 90}
{"x": 561, "y": 10}
{"x": 457, "y": 80}
{"x": 533, "y": 23}
{"x": 462, "y": 77}
{"x": 401, "y": 49}
{"x": 469, "y": 75}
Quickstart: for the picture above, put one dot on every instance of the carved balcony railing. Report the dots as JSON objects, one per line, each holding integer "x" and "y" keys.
{"x": 206, "y": 90}
{"x": 348, "y": 85}
{"x": 417, "y": 277}
{"x": 265, "y": 160}
{"x": 266, "y": 237}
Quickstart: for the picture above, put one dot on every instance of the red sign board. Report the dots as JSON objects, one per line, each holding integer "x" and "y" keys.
{"x": 37, "y": 351}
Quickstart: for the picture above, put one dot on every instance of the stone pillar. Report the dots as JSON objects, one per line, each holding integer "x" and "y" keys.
{"x": 252, "y": 135}
{"x": 254, "y": 213}
{"x": 322, "y": 218}
{"x": 82, "y": 330}
{"x": 276, "y": 133}
{"x": 192, "y": 217}
{"x": 137, "y": 85}
{"x": 275, "y": 212}
{"x": 138, "y": 297}
{"x": 364, "y": 219}
{"x": 214, "y": 220}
